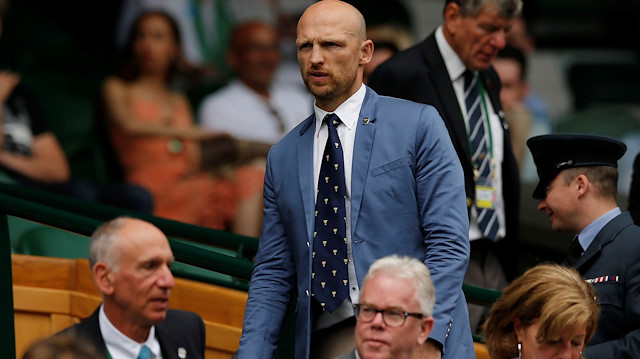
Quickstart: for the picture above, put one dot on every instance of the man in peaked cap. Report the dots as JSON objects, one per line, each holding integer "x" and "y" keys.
{"x": 577, "y": 189}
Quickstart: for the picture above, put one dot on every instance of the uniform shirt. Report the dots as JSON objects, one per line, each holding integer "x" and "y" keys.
{"x": 589, "y": 233}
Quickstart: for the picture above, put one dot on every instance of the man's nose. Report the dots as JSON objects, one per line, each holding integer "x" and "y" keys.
{"x": 165, "y": 279}
{"x": 316, "y": 55}
{"x": 542, "y": 205}
{"x": 499, "y": 39}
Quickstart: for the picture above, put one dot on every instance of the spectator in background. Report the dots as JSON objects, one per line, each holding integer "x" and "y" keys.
{"x": 634, "y": 191}
{"x": 62, "y": 346}
{"x": 549, "y": 312}
{"x": 521, "y": 38}
{"x": 451, "y": 70}
{"x": 252, "y": 108}
{"x": 578, "y": 190}
{"x": 401, "y": 290}
{"x": 204, "y": 32}
{"x": 157, "y": 143}
{"x": 31, "y": 155}
{"x": 511, "y": 66}
{"x": 130, "y": 261}
{"x": 382, "y": 51}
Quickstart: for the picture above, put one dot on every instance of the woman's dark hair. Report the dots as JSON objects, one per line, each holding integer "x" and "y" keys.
{"x": 128, "y": 68}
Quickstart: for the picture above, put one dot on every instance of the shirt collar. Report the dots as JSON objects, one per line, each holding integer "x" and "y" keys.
{"x": 348, "y": 111}
{"x": 121, "y": 343}
{"x": 454, "y": 65}
{"x": 590, "y": 232}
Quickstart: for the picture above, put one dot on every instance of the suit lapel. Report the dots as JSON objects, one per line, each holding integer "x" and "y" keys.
{"x": 493, "y": 92}
{"x": 362, "y": 153}
{"x": 442, "y": 83}
{"x": 305, "y": 172}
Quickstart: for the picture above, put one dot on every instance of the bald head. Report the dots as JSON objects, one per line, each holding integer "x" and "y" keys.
{"x": 106, "y": 240}
{"x": 336, "y": 11}
{"x": 332, "y": 51}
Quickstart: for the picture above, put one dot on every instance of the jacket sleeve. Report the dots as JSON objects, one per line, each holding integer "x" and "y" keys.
{"x": 272, "y": 281}
{"x": 445, "y": 223}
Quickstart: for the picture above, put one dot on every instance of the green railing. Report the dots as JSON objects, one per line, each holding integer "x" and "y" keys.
{"x": 186, "y": 241}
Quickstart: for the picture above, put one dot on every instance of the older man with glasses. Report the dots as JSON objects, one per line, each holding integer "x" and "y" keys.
{"x": 401, "y": 291}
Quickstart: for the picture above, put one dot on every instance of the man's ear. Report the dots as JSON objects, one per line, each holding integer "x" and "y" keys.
{"x": 451, "y": 17}
{"x": 103, "y": 277}
{"x": 426, "y": 325}
{"x": 582, "y": 184}
{"x": 366, "y": 52}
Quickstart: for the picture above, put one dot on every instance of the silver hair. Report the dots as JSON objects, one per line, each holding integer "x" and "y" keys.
{"x": 411, "y": 269}
{"x": 508, "y": 9}
{"x": 102, "y": 241}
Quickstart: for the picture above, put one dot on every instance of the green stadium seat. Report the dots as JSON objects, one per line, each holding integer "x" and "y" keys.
{"x": 52, "y": 242}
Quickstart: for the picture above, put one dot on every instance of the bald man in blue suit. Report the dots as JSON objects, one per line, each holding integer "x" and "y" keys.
{"x": 405, "y": 195}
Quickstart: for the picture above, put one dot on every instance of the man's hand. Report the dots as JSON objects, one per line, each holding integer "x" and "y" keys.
{"x": 429, "y": 350}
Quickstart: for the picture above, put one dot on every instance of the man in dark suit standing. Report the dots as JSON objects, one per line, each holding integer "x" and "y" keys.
{"x": 363, "y": 177}
{"x": 130, "y": 261}
{"x": 451, "y": 70}
{"x": 578, "y": 189}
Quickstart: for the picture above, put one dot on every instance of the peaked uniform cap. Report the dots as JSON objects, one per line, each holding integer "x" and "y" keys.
{"x": 556, "y": 152}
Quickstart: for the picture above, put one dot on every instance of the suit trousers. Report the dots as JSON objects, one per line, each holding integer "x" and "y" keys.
{"x": 485, "y": 271}
{"x": 333, "y": 341}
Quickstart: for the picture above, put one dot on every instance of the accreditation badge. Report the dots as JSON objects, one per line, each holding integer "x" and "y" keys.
{"x": 486, "y": 195}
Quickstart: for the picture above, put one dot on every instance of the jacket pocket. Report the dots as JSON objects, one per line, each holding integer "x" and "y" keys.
{"x": 401, "y": 162}
{"x": 609, "y": 293}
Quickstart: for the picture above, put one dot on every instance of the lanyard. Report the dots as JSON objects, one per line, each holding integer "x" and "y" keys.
{"x": 486, "y": 119}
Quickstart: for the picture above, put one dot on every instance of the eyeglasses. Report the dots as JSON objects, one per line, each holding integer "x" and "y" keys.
{"x": 393, "y": 318}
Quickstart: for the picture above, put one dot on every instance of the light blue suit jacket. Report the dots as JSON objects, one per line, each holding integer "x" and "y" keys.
{"x": 407, "y": 198}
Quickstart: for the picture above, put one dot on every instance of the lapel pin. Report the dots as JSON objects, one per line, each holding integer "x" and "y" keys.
{"x": 182, "y": 353}
{"x": 365, "y": 121}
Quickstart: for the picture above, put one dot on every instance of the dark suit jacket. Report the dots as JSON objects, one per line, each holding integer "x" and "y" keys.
{"x": 419, "y": 74}
{"x": 180, "y": 329}
{"x": 615, "y": 252}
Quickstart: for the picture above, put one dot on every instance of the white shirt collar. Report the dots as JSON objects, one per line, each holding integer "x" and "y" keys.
{"x": 455, "y": 66}
{"x": 348, "y": 111}
{"x": 120, "y": 345}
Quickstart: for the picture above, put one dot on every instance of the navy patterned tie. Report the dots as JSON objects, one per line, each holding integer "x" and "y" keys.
{"x": 330, "y": 277}
{"x": 481, "y": 156}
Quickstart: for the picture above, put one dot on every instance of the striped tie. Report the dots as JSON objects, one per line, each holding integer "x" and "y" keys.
{"x": 481, "y": 156}
{"x": 329, "y": 276}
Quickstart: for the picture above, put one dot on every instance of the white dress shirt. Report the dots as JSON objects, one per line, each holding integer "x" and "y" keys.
{"x": 244, "y": 114}
{"x": 456, "y": 69}
{"x": 121, "y": 346}
{"x": 348, "y": 112}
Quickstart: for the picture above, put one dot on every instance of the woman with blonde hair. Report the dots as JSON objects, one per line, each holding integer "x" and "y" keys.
{"x": 549, "y": 312}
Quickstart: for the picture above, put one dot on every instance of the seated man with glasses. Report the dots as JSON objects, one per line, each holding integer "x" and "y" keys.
{"x": 401, "y": 291}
